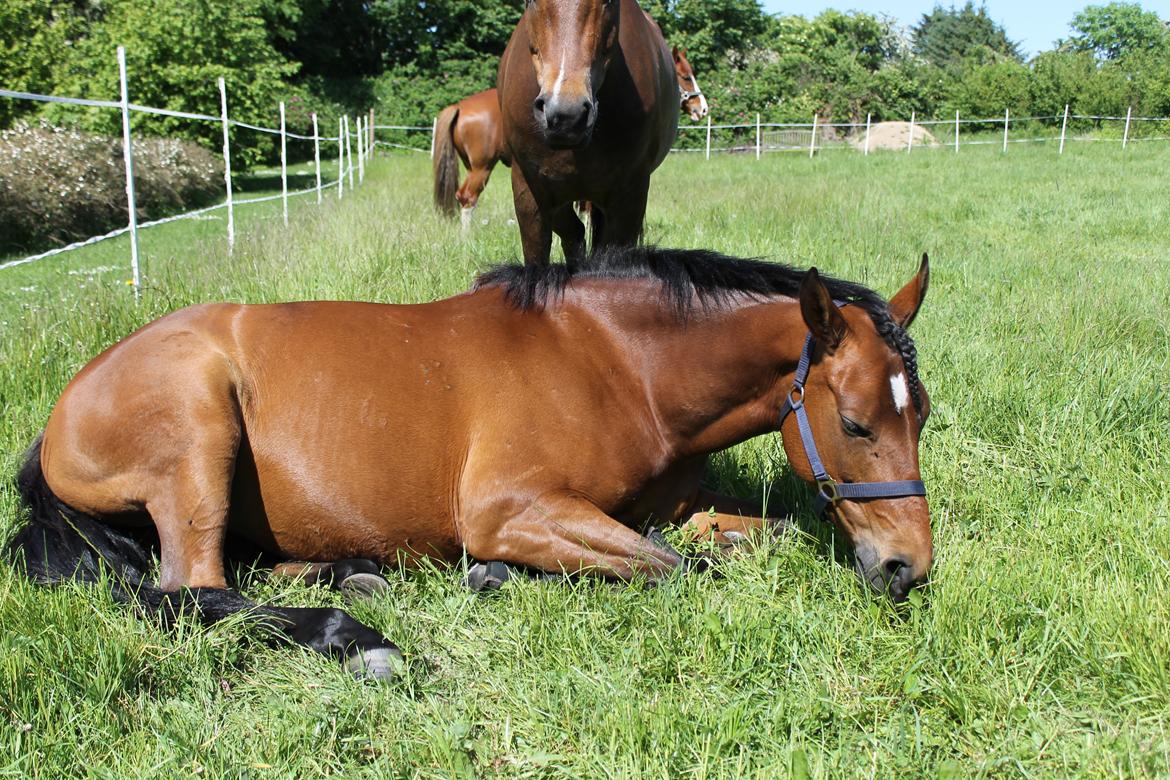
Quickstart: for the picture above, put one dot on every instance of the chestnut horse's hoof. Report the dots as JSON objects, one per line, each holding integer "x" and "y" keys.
{"x": 363, "y": 585}
{"x": 378, "y": 663}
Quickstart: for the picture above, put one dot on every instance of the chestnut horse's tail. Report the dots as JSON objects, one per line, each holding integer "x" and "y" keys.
{"x": 60, "y": 544}
{"x": 446, "y": 162}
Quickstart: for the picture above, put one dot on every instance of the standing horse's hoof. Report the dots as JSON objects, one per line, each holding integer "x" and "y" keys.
{"x": 363, "y": 585}
{"x": 378, "y": 663}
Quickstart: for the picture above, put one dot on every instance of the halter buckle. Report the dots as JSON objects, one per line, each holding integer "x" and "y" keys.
{"x": 796, "y": 397}
{"x": 827, "y": 488}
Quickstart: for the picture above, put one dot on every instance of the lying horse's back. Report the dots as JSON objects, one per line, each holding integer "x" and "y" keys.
{"x": 380, "y": 423}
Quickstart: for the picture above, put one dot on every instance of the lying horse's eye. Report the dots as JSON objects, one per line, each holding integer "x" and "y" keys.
{"x": 854, "y": 428}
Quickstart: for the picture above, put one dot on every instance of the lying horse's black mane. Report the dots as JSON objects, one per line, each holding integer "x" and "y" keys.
{"x": 689, "y": 275}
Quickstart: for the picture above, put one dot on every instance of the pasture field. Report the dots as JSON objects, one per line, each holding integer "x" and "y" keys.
{"x": 1040, "y": 648}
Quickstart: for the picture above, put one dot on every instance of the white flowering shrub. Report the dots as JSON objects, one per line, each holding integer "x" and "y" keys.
{"x": 59, "y": 185}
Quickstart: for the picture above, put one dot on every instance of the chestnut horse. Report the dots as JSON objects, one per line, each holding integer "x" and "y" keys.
{"x": 472, "y": 131}
{"x": 373, "y": 433}
{"x": 589, "y": 104}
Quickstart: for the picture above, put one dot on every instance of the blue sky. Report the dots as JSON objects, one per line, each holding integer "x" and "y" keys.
{"x": 1035, "y": 24}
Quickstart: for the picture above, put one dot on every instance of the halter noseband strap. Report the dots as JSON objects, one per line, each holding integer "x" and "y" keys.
{"x": 687, "y": 94}
{"x": 829, "y": 491}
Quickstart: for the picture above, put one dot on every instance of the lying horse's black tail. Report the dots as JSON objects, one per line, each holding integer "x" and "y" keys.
{"x": 60, "y": 544}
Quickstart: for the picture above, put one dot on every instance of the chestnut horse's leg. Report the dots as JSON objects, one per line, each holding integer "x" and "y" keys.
{"x": 729, "y": 520}
{"x": 473, "y": 185}
{"x": 565, "y": 533}
{"x": 535, "y": 230}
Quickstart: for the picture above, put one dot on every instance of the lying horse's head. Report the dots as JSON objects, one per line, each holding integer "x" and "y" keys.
{"x": 690, "y": 93}
{"x": 863, "y": 408}
{"x": 571, "y": 45}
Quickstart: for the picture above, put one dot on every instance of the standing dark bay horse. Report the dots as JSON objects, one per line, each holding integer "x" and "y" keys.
{"x": 472, "y": 130}
{"x": 372, "y": 433}
{"x": 590, "y": 109}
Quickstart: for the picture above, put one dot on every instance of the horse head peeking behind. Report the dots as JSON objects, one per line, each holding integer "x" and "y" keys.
{"x": 571, "y": 45}
{"x": 693, "y": 101}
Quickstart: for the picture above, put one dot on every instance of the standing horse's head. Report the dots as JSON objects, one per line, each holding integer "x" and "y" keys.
{"x": 571, "y": 45}
{"x": 865, "y": 409}
{"x": 693, "y": 100}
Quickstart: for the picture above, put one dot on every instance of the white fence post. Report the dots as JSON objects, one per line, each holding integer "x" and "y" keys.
{"x": 128, "y": 159}
{"x": 227, "y": 167}
{"x": 370, "y": 129}
{"x": 708, "y": 135}
{"x": 1128, "y": 116}
{"x": 1063, "y": 128}
{"x": 340, "y": 157}
{"x": 956, "y": 132}
{"x": 348, "y": 154}
{"x": 758, "y": 136}
{"x": 434, "y": 132}
{"x": 283, "y": 167}
{"x": 360, "y": 137}
{"x": 317, "y": 156}
{"x": 868, "y": 118}
{"x": 910, "y": 135}
{"x": 1006, "y": 119}
{"x": 812, "y": 141}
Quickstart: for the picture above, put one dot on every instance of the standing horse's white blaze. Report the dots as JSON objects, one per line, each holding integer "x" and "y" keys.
{"x": 901, "y": 391}
{"x": 556, "y": 90}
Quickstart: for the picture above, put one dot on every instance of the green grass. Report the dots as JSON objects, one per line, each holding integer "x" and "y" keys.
{"x": 1042, "y": 647}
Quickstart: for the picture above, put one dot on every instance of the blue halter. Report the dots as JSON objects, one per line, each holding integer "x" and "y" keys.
{"x": 829, "y": 491}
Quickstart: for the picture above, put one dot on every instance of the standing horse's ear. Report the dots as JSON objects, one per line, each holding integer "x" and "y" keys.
{"x": 820, "y": 314}
{"x": 674, "y": 53}
{"x": 905, "y": 304}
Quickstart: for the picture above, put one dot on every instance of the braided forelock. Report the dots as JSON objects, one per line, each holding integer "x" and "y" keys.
{"x": 899, "y": 340}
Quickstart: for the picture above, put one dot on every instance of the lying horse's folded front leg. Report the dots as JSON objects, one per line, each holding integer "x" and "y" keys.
{"x": 565, "y": 533}
{"x": 728, "y": 520}
{"x": 355, "y": 577}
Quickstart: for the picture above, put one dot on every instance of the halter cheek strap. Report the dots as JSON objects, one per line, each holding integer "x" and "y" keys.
{"x": 829, "y": 491}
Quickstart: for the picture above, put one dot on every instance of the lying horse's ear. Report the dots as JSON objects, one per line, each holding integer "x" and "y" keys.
{"x": 905, "y": 304}
{"x": 820, "y": 314}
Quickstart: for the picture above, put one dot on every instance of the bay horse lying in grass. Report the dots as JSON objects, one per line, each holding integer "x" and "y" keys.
{"x": 590, "y": 108}
{"x": 472, "y": 131}
{"x": 373, "y": 433}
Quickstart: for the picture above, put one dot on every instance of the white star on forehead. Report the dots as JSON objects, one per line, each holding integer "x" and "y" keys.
{"x": 900, "y": 390}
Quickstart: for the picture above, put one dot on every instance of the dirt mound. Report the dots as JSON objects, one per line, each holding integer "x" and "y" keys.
{"x": 893, "y": 135}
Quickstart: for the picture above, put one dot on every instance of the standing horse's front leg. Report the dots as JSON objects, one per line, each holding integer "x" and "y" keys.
{"x": 563, "y": 533}
{"x": 535, "y": 229}
{"x": 624, "y": 217}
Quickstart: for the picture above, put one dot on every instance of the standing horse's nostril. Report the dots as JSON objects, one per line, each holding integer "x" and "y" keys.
{"x": 538, "y": 104}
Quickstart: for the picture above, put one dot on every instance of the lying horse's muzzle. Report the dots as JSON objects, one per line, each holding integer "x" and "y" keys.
{"x": 894, "y": 576}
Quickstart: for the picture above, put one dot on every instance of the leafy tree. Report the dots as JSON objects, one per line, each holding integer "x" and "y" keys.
{"x": 711, "y": 31}
{"x": 33, "y": 33}
{"x": 175, "y": 51}
{"x": 1112, "y": 31}
{"x": 950, "y": 38}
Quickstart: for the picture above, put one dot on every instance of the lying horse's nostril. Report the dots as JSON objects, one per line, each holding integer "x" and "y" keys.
{"x": 893, "y": 566}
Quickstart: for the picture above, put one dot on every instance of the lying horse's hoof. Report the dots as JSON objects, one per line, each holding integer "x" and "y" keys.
{"x": 363, "y": 585}
{"x": 378, "y": 663}
{"x": 487, "y": 576}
